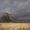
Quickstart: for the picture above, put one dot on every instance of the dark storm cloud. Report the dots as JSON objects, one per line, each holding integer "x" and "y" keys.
{"x": 23, "y": 9}
{"x": 20, "y": 8}
{"x": 6, "y": 5}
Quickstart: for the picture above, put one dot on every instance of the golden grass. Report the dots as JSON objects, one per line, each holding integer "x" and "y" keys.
{"x": 15, "y": 26}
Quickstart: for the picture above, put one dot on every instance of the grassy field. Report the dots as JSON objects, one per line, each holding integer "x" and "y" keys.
{"x": 14, "y": 26}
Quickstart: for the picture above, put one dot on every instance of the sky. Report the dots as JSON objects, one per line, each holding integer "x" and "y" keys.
{"x": 20, "y": 9}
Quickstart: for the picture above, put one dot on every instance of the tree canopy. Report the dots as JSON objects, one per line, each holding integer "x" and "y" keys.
{"x": 6, "y": 18}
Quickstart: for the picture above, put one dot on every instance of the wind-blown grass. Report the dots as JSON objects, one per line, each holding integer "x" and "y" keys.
{"x": 14, "y": 26}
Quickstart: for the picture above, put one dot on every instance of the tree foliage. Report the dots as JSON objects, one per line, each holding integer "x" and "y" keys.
{"x": 6, "y": 18}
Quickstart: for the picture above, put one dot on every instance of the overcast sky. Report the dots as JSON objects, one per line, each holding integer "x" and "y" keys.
{"x": 20, "y": 8}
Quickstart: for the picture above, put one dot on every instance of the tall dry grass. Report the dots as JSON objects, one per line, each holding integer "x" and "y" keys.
{"x": 14, "y": 29}
{"x": 15, "y": 26}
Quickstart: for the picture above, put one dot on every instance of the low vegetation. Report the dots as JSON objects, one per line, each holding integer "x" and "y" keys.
{"x": 15, "y": 26}
{"x": 14, "y": 29}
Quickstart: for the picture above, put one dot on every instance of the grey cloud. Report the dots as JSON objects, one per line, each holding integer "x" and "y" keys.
{"x": 6, "y": 4}
{"x": 18, "y": 8}
{"x": 23, "y": 9}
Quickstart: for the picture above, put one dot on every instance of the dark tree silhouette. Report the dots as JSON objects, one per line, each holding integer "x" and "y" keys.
{"x": 6, "y": 18}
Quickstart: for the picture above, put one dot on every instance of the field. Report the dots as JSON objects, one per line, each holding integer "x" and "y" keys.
{"x": 14, "y": 26}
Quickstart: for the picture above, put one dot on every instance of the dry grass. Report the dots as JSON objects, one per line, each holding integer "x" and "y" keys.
{"x": 14, "y": 26}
